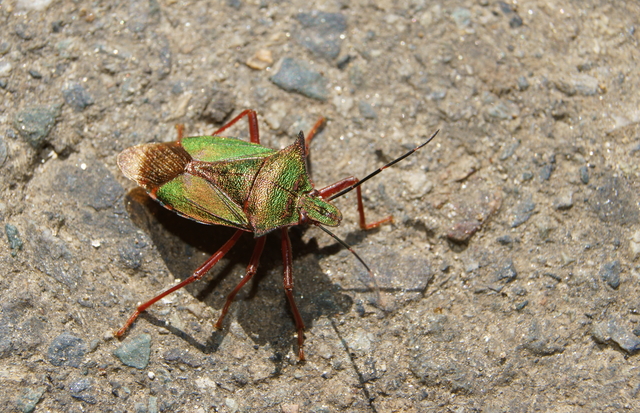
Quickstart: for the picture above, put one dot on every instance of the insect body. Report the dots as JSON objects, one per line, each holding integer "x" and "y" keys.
{"x": 227, "y": 181}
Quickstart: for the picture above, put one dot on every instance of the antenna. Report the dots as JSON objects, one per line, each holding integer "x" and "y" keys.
{"x": 376, "y": 172}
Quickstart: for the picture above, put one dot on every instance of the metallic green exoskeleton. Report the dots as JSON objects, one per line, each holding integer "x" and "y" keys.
{"x": 227, "y": 181}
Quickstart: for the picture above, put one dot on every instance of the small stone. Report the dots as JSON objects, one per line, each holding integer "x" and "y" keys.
{"x": 522, "y": 305}
{"x": 634, "y": 244}
{"x": 527, "y": 176}
{"x": 462, "y": 231}
{"x": 66, "y": 350}
{"x": 522, "y": 212}
{"x": 507, "y": 271}
{"x": 503, "y": 111}
{"x": 295, "y": 76}
{"x": 177, "y": 355}
{"x": 82, "y": 389}
{"x": 3, "y": 151}
{"x": 564, "y": 202}
{"x": 260, "y": 60}
{"x": 584, "y": 174}
{"x": 505, "y": 240}
{"x": 221, "y": 104}
{"x": 509, "y": 150}
{"x": 615, "y": 203}
{"x": 546, "y": 171}
{"x": 612, "y": 331}
{"x": 13, "y": 235}
{"x": 3, "y": 83}
{"x": 462, "y": 17}
{"x": 523, "y": 83}
{"x": 236, "y": 4}
{"x": 542, "y": 339}
{"x": 29, "y": 398}
{"x": 35, "y": 123}
{"x": 582, "y": 84}
{"x": 322, "y": 33}
{"x": 77, "y": 96}
{"x": 610, "y": 273}
{"x": 135, "y": 352}
{"x": 366, "y": 110}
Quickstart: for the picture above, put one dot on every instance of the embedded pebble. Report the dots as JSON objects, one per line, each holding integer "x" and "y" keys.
{"x": 564, "y": 202}
{"x": 584, "y": 174}
{"x": 66, "y": 350}
{"x": 610, "y": 273}
{"x": 296, "y": 76}
{"x": 13, "y": 235}
{"x": 321, "y": 32}
{"x": 612, "y": 331}
{"x": 35, "y": 123}
{"x": 82, "y": 389}
{"x": 77, "y": 96}
{"x": 522, "y": 212}
{"x": 29, "y": 398}
{"x": 634, "y": 244}
{"x": 507, "y": 271}
{"x": 366, "y": 110}
{"x": 135, "y": 352}
{"x": 462, "y": 231}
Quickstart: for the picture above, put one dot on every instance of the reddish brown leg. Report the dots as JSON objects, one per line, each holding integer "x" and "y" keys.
{"x": 202, "y": 270}
{"x": 251, "y": 270}
{"x": 345, "y": 183}
{"x": 180, "y": 130}
{"x": 252, "y": 119}
{"x": 319, "y": 124}
{"x": 287, "y": 261}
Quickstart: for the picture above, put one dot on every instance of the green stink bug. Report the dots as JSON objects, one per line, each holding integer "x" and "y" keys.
{"x": 243, "y": 185}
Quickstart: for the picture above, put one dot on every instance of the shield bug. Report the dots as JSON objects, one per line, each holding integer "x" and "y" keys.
{"x": 227, "y": 181}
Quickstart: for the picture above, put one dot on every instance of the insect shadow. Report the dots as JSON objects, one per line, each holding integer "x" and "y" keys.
{"x": 261, "y": 307}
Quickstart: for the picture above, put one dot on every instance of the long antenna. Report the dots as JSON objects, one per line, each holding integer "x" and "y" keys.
{"x": 376, "y": 172}
{"x": 347, "y": 246}
{"x": 372, "y": 275}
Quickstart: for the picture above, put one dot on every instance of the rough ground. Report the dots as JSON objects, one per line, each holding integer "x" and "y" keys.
{"x": 509, "y": 281}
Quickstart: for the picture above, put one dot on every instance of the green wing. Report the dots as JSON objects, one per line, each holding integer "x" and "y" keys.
{"x": 199, "y": 199}
{"x": 218, "y": 148}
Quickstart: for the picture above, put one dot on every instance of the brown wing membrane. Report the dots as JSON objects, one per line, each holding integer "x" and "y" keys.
{"x": 154, "y": 164}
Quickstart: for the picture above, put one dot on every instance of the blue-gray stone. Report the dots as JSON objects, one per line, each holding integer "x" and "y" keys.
{"x": 35, "y": 123}
{"x": 135, "y": 352}
{"x": 77, "y": 96}
{"x": 509, "y": 150}
{"x": 3, "y": 151}
{"x": 584, "y": 174}
{"x": 523, "y": 83}
{"x": 366, "y": 110}
{"x": 507, "y": 271}
{"x": 82, "y": 389}
{"x": 29, "y": 398}
{"x": 321, "y": 33}
{"x": 66, "y": 350}
{"x": 612, "y": 331}
{"x": 522, "y": 212}
{"x": 610, "y": 273}
{"x": 462, "y": 17}
{"x": 13, "y": 235}
{"x": 295, "y": 76}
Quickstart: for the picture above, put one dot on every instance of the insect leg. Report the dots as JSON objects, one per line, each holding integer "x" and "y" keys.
{"x": 318, "y": 125}
{"x": 251, "y": 270}
{"x": 327, "y": 191}
{"x": 287, "y": 278}
{"x": 252, "y": 119}
{"x": 202, "y": 270}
